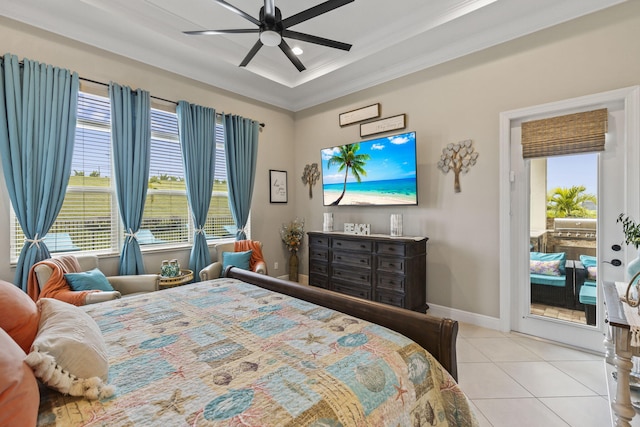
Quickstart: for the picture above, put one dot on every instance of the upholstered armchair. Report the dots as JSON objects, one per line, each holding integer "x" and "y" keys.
{"x": 123, "y": 285}
{"x": 257, "y": 263}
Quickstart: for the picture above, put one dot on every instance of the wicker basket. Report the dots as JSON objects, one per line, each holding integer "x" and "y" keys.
{"x": 185, "y": 277}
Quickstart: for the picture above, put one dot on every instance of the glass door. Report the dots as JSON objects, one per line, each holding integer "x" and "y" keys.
{"x": 563, "y": 237}
{"x": 537, "y": 226}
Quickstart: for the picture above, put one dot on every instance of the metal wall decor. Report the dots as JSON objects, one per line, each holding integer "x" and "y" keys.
{"x": 459, "y": 158}
{"x": 310, "y": 176}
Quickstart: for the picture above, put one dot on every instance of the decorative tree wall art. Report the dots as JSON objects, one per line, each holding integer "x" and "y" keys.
{"x": 310, "y": 176}
{"x": 459, "y": 158}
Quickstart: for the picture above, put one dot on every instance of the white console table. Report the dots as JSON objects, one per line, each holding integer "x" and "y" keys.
{"x": 619, "y": 353}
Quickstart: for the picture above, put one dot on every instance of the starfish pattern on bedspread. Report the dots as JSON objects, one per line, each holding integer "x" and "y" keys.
{"x": 227, "y": 353}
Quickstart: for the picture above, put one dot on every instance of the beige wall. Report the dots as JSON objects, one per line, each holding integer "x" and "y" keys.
{"x": 276, "y": 138}
{"x": 459, "y": 100}
{"x": 455, "y": 101}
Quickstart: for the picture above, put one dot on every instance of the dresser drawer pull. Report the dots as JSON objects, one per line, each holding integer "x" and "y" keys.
{"x": 362, "y": 260}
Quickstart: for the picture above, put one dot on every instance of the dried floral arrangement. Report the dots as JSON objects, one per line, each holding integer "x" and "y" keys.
{"x": 292, "y": 234}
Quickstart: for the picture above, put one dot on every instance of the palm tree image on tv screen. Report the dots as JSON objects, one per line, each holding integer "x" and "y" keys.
{"x": 378, "y": 172}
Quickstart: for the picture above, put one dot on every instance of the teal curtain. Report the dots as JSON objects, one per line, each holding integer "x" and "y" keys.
{"x": 197, "y": 130}
{"x": 38, "y": 110}
{"x": 131, "y": 139}
{"x": 241, "y": 148}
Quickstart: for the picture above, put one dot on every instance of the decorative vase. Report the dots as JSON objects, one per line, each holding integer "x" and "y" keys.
{"x": 327, "y": 224}
{"x": 293, "y": 266}
{"x": 165, "y": 269}
{"x": 396, "y": 225}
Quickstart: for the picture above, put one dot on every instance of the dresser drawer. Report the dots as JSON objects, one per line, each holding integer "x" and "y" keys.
{"x": 319, "y": 281}
{"x": 352, "y": 245}
{"x": 352, "y": 258}
{"x": 357, "y": 276}
{"x": 353, "y": 291}
{"x": 319, "y": 254}
{"x": 393, "y": 282}
{"x": 391, "y": 249}
{"x": 395, "y": 265}
{"x": 318, "y": 268}
{"x": 390, "y": 298}
{"x": 318, "y": 241}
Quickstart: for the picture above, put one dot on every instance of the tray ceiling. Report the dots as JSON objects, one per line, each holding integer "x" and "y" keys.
{"x": 390, "y": 39}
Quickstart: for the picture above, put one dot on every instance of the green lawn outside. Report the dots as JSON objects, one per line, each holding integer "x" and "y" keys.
{"x": 86, "y": 216}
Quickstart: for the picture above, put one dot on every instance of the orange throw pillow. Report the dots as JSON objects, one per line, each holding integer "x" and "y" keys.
{"x": 19, "y": 394}
{"x": 20, "y": 316}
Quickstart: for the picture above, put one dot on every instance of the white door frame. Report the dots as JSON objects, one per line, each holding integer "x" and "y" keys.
{"x": 630, "y": 97}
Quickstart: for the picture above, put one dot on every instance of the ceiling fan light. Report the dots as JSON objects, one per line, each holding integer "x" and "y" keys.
{"x": 270, "y": 38}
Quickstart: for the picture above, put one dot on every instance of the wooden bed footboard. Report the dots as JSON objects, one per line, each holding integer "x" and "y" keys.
{"x": 436, "y": 335}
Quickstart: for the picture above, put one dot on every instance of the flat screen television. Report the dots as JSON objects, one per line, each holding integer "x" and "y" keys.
{"x": 377, "y": 172}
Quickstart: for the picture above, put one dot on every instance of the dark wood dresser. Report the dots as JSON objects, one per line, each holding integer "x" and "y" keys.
{"x": 391, "y": 270}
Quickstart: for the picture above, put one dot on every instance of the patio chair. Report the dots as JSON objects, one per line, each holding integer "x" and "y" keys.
{"x": 550, "y": 285}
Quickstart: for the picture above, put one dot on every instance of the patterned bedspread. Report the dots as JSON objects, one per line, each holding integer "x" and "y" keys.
{"x": 227, "y": 353}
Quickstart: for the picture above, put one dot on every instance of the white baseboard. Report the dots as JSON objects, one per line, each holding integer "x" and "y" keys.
{"x": 465, "y": 316}
{"x": 303, "y": 279}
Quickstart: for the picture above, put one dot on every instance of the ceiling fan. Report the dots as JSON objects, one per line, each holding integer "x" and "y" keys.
{"x": 273, "y": 28}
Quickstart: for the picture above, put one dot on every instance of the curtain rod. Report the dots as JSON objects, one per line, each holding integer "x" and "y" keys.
{"x": 154, "y": 97}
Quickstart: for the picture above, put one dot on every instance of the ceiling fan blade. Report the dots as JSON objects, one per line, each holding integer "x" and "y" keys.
{"x": 292, "y": 56}
{"x": 234, "y": 9}
{"x": 312, "y": 12}
{"x": 269, "y": 11}
{"x": 214, "y": 32}
{"x": 256, "y": 47}
{"x": 315, "y": 39}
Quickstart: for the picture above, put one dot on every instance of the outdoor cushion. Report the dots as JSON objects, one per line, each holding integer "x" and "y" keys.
{"x": 546, "y": 268}
{"x": 541, "y": 279}
{"x": 588, "y": 295}
{"x": 556, "y": 256}
{"x": 588, "y": 260}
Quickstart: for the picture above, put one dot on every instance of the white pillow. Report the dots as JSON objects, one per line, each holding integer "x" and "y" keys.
{"x": 69, "y": 353}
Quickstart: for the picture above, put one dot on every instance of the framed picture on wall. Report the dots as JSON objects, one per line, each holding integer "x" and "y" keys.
{"x": 278, "y": 186}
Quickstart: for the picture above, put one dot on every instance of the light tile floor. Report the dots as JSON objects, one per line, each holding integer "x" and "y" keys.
{"x": 515, "y": 380}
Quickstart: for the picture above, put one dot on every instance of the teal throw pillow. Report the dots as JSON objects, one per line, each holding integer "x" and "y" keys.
{"x": 237, "y": 259}
{"x": 88, "y": 281}
{"x": 556, "y": 256}
{"x": 588, "y": 261}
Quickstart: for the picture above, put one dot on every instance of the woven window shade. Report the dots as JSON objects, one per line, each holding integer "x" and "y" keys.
{"x": 570, "y": 134}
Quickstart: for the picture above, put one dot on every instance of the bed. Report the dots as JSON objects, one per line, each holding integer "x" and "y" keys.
{"x": 253, "y": 350}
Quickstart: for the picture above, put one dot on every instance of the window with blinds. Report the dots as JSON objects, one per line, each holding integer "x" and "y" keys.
{"x": 89, "y": 219}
